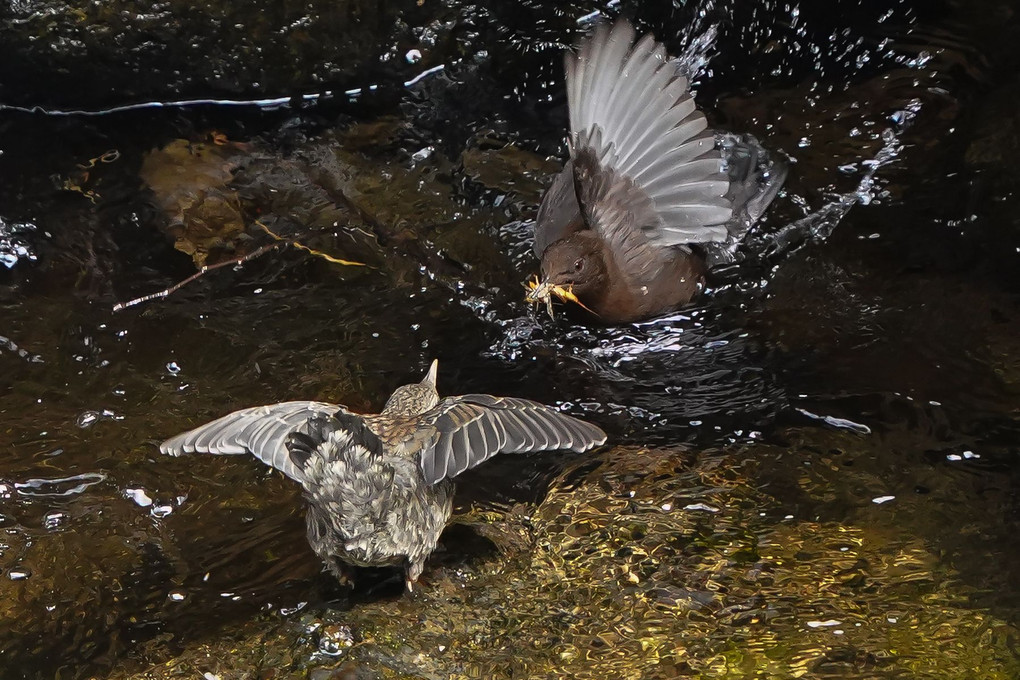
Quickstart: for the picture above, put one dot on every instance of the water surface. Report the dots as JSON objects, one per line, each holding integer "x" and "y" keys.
{"x": 838, "y": 412}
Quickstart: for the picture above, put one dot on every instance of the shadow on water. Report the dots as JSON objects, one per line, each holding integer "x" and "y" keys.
{"x": 855, "y": 365}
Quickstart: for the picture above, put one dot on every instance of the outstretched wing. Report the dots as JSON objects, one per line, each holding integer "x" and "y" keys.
{"x": 261, "y": 431}
{"x": 633, "y": 115}
{"x": 461, "y": 432}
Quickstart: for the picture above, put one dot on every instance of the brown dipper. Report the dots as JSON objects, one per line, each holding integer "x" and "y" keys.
{"x": 378, "y": 486}
{"x": 645, "y": 182}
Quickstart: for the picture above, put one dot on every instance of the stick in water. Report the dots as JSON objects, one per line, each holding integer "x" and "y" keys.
{"x": 207, "y": 268}
{"x": 236, "y": 261}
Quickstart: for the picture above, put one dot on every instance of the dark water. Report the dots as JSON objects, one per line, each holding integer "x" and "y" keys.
{"x": 863, "y": 347}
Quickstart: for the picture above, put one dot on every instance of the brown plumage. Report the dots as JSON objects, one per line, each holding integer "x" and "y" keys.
{"x": 645, "y": 183}
{"x": 379, "y": 486}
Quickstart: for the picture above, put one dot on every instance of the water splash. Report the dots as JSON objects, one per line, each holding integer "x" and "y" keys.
{"x": 89, "y": 418}
{"x": 13, "y": 245}
{"x": 11, "y": 346}
{"x": 819, "y": 224}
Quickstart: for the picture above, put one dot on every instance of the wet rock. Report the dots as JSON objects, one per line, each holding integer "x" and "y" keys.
{"x": 358, "y": 188}
{"x": 189, "y": 182}
{"x": 503, "y": 167}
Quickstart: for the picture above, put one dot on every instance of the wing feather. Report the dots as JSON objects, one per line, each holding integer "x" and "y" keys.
{"x": 633, "y": 114}
{"x": 461, "y": 432}
{"x": 261, "y": 431}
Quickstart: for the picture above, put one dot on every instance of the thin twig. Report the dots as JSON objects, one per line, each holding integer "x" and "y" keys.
{"x": 280, "y": 240}
{"x": 207, "y": 268}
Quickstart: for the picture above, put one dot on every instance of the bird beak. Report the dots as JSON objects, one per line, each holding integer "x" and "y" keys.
{"x": 430, "y": 377}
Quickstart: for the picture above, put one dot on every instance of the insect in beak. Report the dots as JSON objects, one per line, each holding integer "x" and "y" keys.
{"x": 543, "y": 291}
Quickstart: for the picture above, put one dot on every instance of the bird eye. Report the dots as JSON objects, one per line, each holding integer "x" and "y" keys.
{"x": 578, "y": 264}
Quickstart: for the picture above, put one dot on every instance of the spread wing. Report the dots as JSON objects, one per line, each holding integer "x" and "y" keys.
{"x": 633, "y": 117}
{"x": 261, "y": 431}
{"x": 461, "y": 432}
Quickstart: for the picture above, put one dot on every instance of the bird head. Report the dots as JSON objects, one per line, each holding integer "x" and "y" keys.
{"x": 414, "y": 399}
{"x": 575, "y": 264}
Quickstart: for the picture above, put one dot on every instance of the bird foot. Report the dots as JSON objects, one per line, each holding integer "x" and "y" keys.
{"x": 344, "y": 576}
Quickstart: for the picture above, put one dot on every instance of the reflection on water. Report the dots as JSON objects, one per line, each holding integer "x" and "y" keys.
{"x": 66, "y": 486}
{"x": 847, "y": 386}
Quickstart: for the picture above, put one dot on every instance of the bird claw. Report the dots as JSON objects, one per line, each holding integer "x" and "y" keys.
{"x": 415, "y": 590}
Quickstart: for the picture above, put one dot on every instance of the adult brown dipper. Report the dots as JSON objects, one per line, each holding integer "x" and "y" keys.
{"x": 378, "y": 486}
{"x": 646, "y": 182}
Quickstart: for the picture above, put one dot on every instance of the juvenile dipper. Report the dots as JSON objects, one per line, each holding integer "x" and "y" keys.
{"x": 646, "y": 180}
{"x": 379, "y": 486}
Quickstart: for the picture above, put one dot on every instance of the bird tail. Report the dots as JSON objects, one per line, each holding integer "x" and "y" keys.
{"x": 331, "y": 436}
{"x": 756, "y": 176}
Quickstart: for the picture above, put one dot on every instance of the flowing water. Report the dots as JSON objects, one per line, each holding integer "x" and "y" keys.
{"x": 837, "y": 417}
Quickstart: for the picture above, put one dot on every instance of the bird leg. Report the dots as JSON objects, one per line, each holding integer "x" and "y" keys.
{"x": 412, "y": 571}
{"x": 343, "y": 573}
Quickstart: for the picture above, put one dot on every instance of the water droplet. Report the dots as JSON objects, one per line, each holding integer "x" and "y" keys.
{"x": 87, "y": 419}
{"x": 700, "y": 506}
{"x": 53, "y": 520}
{"x": 162, "y": 510}
{"x": 139, "y": 496}
{"x": 422, "y": 154}
{"x": 287, "y": 611}
{"x": 173, "y": 368}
